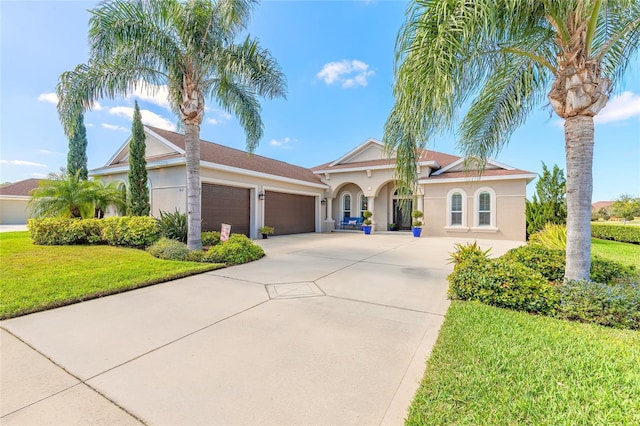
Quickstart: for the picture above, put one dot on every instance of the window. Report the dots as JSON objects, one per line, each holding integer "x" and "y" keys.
{"x": 484, "y": 209}
{"x": 363, "y": 204}
{"x": 456, "y": 209}
{"x": 346, "y": 205}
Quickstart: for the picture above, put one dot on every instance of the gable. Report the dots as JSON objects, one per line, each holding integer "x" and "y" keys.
{"x": 155, "y": 147}
{"x": 370, "y": 152}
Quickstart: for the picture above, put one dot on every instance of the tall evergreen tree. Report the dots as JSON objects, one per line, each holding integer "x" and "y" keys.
{"x": 77, "y": 156}
{"x": 549, "y": 203}
{"x": 138, "y": 202}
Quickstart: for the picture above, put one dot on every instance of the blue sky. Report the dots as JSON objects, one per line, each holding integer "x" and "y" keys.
{"x": 338, "y": 58}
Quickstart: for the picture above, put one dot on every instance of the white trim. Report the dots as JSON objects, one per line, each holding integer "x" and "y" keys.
{"x": 428, "y": 163}
{"x": 105, "y": 171}
{"x": 464, "y": 212}
{"x": 360, "y": 196}
{"x": 290, "y": 191}
{"x": 342, "y": 209}
{"x": 456, "y": 228}
{"x": 126, "y": 142}
{"x": 245, "y": 172}
{"x": 357, "y": 150}
{"x": 492, "y": 213}
{"x": 165, "y": 141}
{"x": 461, "y": 160}
{"x": 528, "y": 176}
{"x": 15, "y": 197}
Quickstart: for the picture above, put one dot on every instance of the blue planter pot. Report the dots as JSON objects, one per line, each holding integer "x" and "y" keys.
{"x": 366, "y": 229}
{"x": 416, "y": 231}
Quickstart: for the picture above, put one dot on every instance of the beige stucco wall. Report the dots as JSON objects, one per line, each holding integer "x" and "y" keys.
{"x": 510, "y": 218}
{"x": 13, "y": 210}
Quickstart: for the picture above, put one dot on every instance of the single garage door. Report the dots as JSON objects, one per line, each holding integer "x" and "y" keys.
{"x": 290, "y": 213}
{"x": 225, "y": 204}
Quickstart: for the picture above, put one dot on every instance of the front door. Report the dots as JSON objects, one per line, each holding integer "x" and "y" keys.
{"x": 400, "y": 218}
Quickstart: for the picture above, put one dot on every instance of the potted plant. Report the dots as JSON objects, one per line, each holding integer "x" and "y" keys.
{"x": 417, "y": 223}
{"x": 366, "y": 223}
{"x": 393, "y": 227}
{"x": 266, "y": 230}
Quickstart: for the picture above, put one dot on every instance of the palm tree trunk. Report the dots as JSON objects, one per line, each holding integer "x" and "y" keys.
{"x": 579, "y": 137}
{"x": 194, "y": 216}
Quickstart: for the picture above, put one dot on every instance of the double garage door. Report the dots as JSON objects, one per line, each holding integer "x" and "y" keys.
{"x": 287, "y": 213}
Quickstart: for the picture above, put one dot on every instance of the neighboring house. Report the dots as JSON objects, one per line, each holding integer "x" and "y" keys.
{"x": 249, "y": 191}
{"x": 599, "y": 205}
{"x": 13, "y": 201}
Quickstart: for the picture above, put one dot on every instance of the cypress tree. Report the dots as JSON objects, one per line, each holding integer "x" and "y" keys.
{"x": 77, "y": 156}
{"x": 549, "y": 203}
{"x": 138, "y": 192}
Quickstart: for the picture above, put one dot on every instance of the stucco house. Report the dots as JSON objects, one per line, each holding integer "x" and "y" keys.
{"x": 13, "y": 201}
{"x": 249, "y": 191}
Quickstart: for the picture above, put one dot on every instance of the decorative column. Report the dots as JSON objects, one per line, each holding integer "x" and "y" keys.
{"x": 329, "y": 209}
{"x": 329, "y": 224}
{"x": 420, "y": 203}
{"x": 370, "y": 208}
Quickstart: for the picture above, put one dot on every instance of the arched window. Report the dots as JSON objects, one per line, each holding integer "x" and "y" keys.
{"x": 346, "y": 205}
{"x": 484, "y": 209}
{"x": 456, "y": 209}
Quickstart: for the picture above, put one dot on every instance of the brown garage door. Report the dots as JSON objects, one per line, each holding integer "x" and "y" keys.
{"x": 290, "y": 213}
{"x": 225, "y": 204}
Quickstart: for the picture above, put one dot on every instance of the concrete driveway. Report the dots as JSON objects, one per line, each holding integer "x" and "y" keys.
{"x": 326, "y": 329}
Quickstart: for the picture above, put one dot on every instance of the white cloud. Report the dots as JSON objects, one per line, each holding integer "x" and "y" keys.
{"x": 48, "y": 152}
{"x": 148, "y": 117}
{"x": 39, "y": 175}
{"x": 52, "y": 98}
{"x": 347, "y": 73}
{"x": 114, "y": 127}
{"x": 97, "y": 107}
{"x": 155, "y": 94}
{"x": 88, "y": 124}
{"x": 620, "y": 108}
{"x": 220, "y": 116}
{"x": 22, "y": 163}
{"x": 282, "y": 143}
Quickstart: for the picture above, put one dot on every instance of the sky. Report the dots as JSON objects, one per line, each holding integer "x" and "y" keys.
{"x": 338, "y": 58}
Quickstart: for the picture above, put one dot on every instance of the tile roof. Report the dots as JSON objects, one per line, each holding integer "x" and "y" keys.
{"x": 601, "y": 205}
{"x": 20, "y": 188}
{"x": 219, "y": 154}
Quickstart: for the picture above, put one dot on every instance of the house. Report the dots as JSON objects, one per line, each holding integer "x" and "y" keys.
{"x": 13, "y": 201}
{"x": 249, "y": 191}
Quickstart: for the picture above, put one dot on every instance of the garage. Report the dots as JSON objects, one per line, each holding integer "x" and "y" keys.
{"x": 226, "y": 204}
{"x": 290, "y": 213}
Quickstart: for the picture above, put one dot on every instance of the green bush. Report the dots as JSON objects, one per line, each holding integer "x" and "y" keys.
{"x": 620, "y": 233}
{"x": 169, "y": 249}
{"x": 608, "y": 271}
{"x": 173, "y": 225}
{"x": 613, "y": 305}
{"x": 503, "y": 283}
{"x": 237, "y": 250}
{"x": 130, "y": 231}
{"x": 210, "y": 238}
{"x": 64, "y": 231}
{"x": 466, "y": 252}
{"x": 552, "y": 236}
{"x": 550, "y": 263}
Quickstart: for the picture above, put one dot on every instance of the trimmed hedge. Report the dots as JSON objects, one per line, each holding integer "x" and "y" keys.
{"x": 138, "y": 232}
{"x": 612, "y": 305}
{"x": 503, "y": 283}
{"x": 210, "y": 238}
{"x": 169, "y": 249}
{"x": 237, "y": 250}
{"x": 549, "y": 262}
{"x": 620, "y": 233}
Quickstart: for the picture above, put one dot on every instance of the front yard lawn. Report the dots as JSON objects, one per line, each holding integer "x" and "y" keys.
{"x": 492, "y": 366}
{"x": 626, "y": 253}
{"x": 35, "y": 278}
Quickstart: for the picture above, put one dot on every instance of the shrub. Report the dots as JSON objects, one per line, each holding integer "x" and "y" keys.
{"x": 620, "y": 233}
{"x": 608, "y": 271}
{"x": 127, "y": 231}
{"x": 503, "y": 283}
{"x": 550, "y": 263}
{"x": 169, "y": 249}
{"x": 552, "y": 236}
{"x": 210, "y": 238}
{"x": 173, "y": 225}
{"x": 468, "y": 252}
{"x": 613, "y": 305}
{"x": 237, "y": 250}
{"x": 63, "y": 231}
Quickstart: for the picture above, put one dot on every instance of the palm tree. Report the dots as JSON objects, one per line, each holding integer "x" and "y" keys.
{"x": 508, "y": 57}
{"x": 62, "y": 195}
{"x": 104, "y": 195}
{"x": 191, "y": 47}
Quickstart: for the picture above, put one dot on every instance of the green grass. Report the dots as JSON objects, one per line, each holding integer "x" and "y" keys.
{"x": 35, "y": 278}
{"x": 626, "y": 253}
{"x": 492, "y": 366}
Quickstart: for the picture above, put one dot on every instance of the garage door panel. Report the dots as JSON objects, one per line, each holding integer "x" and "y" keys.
{"x": 290, "y": 213}
{"x": 226, "y": 204}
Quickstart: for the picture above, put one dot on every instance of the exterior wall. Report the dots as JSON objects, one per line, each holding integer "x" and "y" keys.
{"x": 509, "y": 211}
{"x": 13, "y": 210}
